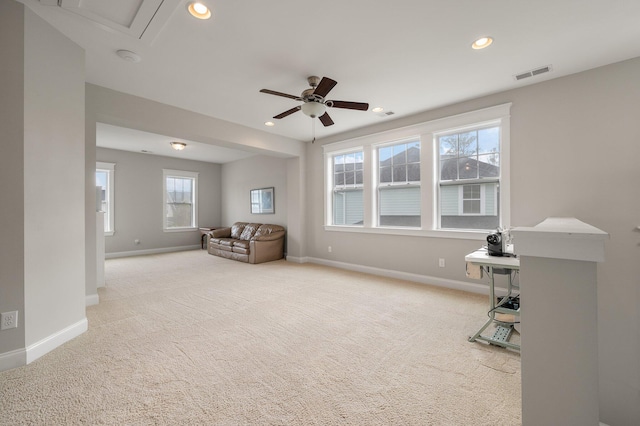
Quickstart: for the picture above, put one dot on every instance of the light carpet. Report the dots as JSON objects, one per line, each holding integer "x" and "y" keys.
{"x": 191, "y": 339}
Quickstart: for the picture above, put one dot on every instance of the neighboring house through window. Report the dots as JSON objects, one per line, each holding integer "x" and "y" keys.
{"x": 446, "y": 178}
{"x": 105, "y": 182}
{"x": 347, "y": 173}
{"x": 399, "y": 184}
{"x": 180, "y": 195}
{"x": 469, "y": 178}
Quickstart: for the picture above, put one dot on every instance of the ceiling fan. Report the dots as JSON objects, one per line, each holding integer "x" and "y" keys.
{"x": 315, "y": 104}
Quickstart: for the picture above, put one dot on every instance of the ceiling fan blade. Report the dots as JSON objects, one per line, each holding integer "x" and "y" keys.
{"x": 325, "y": 86}
{"x": 273, "y": 92}
{"x": 326, "y": 120}
{"x": 288, "y": 112}
{"x": 360, "y": 106}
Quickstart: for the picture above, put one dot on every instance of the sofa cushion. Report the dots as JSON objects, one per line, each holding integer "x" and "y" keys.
{"x": 225, "y": 242}
{"x": 241, "y": 243}
{"x": 249, "y": 230}
{"x": 237, "y": 228}
{"x": 267, "y": 229}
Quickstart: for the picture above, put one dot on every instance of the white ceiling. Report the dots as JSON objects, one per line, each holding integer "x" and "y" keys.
{"x": 406, "y": 56}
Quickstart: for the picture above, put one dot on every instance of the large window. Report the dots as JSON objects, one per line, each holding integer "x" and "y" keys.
{"x": 447, "y": 178}
{"x": 104, "y": 193}
{"x": 399, "y": 184}
{"x": 347, "y": 173}
{"x": 469, "y": 178}
{"x": 180, "y": 200}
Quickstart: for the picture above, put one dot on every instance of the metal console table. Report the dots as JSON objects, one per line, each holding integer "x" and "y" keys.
{"x": 503, "y": 329}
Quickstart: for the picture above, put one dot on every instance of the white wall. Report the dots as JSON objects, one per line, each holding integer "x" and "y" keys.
{"x": 12, "y": 172}
{"x": 49, "y": 169}
{"x": 575, "y": 145}
{"x": 138, "y": 200}
{"x": 240, "y": 177}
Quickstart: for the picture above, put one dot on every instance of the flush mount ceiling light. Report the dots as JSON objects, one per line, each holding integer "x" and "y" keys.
{"x": 269, "y": 123}
{"x": 482, "y": 42}
{"x": 128, "y": 55}
{"x": 377, "y": 109}
{"x": 199, "y": 10}
{"x": 178, "y": 146}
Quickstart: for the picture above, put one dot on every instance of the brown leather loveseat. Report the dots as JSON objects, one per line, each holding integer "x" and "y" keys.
{"x": 248, "y": 242}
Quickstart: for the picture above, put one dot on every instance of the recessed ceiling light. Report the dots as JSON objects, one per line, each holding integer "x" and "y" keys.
{"x": 178, "y": 146}
{"x": 482, "y": 42}
{"x": 377, "y": 109}
{"x": 269, "y": 123}
{"x": 199, "y": 10}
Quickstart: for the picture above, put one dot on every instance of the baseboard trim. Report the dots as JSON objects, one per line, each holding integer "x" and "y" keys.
{"x": 150, "y": 251}
{"x": 23, "y": 356}
{"x": 13, "y": 359}
{"x": 51, "y": 342}
{"x": 422, "y": 279}
{"x": 91, "y": 299}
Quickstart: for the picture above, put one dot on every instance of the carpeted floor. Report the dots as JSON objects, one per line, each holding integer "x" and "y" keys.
{"x": 191, "y": 339}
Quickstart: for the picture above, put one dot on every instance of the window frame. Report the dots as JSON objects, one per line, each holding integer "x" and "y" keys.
{"x": 332, "y": 188}
{"x": 393, "y": 184}
{"x": 109, "y": 168}
{"x": 430, "y": 199}
{"x": 180, "y": 174}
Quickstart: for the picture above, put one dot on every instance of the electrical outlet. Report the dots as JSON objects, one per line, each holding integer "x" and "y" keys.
{"x": 329, "y": 249}
{"x": 8, "y": 320}
{"x": 441, "y": 262}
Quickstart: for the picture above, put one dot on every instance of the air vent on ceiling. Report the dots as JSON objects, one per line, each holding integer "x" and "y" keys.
{"x": 533, "y": 73}
{"x": 385, "y": 113}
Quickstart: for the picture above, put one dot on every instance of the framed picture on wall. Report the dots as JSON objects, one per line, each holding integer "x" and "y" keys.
{"x": 263, "y": 201}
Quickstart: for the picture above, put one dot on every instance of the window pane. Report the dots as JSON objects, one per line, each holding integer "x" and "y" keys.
{"x": 449, "y": 169}
{"x": 180, "y": 199}
{"x": 338, "y": 179}
{"x": 489, "y": 165}
{"x": 400, "y": 173}
{"x": 384, "y": 156}
{"x": 468, "y": 168}
{"x": 349, "y": 178}
{"x": 348, "y": 207}
{"x": 385, "y": 174}
{"x": 359, "y": 177}
{"x": 467, "y": 143}
{"x": 413, "y": 152}
{"x": 413, "y": 172}
{"x": 448, "y": 146}
{"x": 399, "y": 154}
{"x": 469, "y": 206}
{"x": 489, "y": 140}
{"x": 399, "y": 207}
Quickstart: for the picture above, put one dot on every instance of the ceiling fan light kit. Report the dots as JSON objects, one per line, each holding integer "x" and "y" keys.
{"x": 314, "y": 103}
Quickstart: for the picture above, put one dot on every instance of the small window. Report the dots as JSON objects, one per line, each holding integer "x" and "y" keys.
{"x": 180, "y": 200}
{"x": 399, "y": 185}
{"x": 105, "y": 194}
{"x": 348, "y": 202}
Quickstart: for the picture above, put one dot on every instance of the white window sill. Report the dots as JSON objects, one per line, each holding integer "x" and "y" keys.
{"x": 180, "y": 229}
{"x": 413, "y": 232}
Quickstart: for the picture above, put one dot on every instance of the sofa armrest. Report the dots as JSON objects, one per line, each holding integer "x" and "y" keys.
{"x": 221, "y": 233}
{"x": 265, "y": 251}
